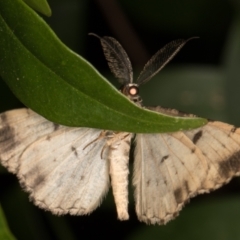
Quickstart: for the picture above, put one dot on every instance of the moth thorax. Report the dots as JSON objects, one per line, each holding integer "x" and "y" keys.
{"x": 131, "y": 90}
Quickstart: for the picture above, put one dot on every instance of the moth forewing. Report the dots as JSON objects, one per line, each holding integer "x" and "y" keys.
{"x": 119, "y": 148}
{"x": 18, "y": 129}
{"x": 163, "y": 181}
{"x": 52, "y": 163}
{"x": 220, "y": 144}
{"x": 75, "y": 180}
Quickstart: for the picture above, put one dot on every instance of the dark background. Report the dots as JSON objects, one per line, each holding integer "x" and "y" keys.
{"x": 202, "y": 79}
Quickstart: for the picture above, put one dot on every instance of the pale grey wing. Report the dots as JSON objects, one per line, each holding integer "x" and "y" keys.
{"x": 168, "y": 170}
{"x": 53, "y": 162}
{"x": 117, "y": 59}
{"x": 159, "y": 60}
{"x": 171, "y": 168}
{"x": 18, "y": 129}
{"x": 220, "y": 144}
{"x": 67, "y": 171}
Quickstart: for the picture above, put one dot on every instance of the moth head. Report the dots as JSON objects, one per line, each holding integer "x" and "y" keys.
{"x": 131, "y": 90}
{"x": 121, "y": 66}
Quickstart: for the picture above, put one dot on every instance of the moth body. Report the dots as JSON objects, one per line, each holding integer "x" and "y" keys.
{"x": 119, "y": 170}
{"x": 69, "y": 170}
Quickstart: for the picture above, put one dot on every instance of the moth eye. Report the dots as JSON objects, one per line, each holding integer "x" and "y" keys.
{"x": 133, "y": 91}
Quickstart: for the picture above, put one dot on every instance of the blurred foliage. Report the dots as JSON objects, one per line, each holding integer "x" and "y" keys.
{"x": 203, "y": 79}
{"x": 40, "y": 6}
{"x": 4, "y": 231}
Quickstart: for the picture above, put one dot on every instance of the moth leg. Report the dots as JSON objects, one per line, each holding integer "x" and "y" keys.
{"x": 118, "y": 146}
{"x": 114, "y": 137}
{"x": 102, "y": 134}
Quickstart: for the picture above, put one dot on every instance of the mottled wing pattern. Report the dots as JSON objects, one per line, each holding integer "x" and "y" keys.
{"x": 18, "y": 129}
{"x": 164, "y": 166}
{"x": 66, "y": 170}
{"x": 169, "y": 169}
{"x": 63, "y": 168}
{"x": 220, "y": 144}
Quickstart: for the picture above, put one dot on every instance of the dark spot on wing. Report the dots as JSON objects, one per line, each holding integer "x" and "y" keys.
{"x": 3, "y": 118}
{"x": 186, "y": 186}
{"x": 148, "y": 182}
{"x": 11, "y": 146}
{"x": 233, "y": 130}
{"x": 161, "y": 222}
{"x": 7, "y": 139}
{"x": 230, "y": 166}
{"x": 204, "y": 153}
{"x": 197, "y": 136}
{"x": 56, "y": 126}
{"x": 48, "y": 138}
{"x": 175, "y": 214}
{"x": 178, "y": 195}
{"x": 6, "y": 133}
{"x": 75, "y": 151}
{"x": 164, "y": 158}
{"x": 33, "y": 178}
{"x": 188, "y": 192}
{"x": 31, "y": 173}
{"x": 38, "y": 182}
{"x": 193, "y": 150}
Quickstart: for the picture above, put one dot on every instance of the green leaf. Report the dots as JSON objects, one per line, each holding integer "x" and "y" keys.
{"x": 63, "y": 87}
{"x": 40, "y": 6}
{"x": 4, "y": 231}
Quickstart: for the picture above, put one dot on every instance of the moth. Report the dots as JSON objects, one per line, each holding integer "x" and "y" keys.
{"x": 69, "y": 170}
